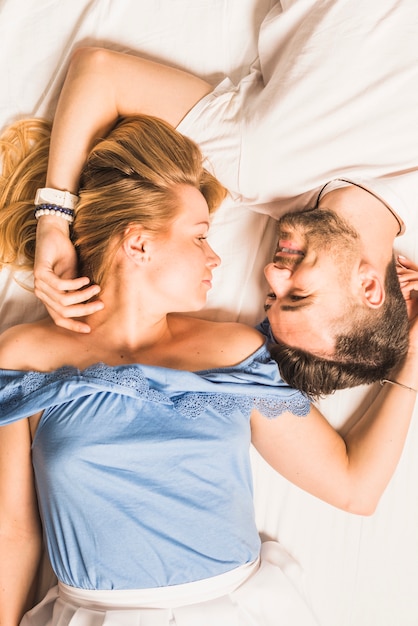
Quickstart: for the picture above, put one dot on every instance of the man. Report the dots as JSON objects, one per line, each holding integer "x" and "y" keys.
{"x": 335, "y": 307}
{"x": 332, "y": 99}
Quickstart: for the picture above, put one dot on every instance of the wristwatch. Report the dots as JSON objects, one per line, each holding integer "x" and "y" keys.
{"x": 64, "y": 199}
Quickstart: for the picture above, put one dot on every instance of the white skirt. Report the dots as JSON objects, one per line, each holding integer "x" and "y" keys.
{"x": 262, "y": 593}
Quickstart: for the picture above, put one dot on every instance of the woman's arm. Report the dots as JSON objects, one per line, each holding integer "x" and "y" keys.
{"x": 20, "y": 533}
{"x": 100, "y": 86}
{"x": 350, "y": 472}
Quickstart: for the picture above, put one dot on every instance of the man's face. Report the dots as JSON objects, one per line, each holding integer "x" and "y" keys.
{"x": 311, "y": 279}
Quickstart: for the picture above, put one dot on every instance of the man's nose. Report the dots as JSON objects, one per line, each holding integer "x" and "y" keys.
{"x": 278, "y": 278}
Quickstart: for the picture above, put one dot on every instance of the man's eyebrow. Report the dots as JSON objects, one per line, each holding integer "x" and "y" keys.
{"x": 295, "y": 307}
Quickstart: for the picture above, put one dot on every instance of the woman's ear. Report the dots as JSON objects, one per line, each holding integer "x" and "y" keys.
{"x": 372, "y": 286}
{"x": 136, "y": 244}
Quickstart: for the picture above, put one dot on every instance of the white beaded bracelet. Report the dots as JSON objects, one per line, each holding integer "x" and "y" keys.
{"x": 54, "y": 209}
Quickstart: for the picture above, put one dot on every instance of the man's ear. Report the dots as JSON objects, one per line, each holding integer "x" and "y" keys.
{"x": 372, "y": 286}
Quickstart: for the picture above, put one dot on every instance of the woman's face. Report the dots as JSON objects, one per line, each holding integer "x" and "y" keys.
{"x": 181, "y": 260}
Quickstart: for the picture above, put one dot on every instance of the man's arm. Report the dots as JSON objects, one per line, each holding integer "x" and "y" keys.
{"x": 349, "y": 472}
{"x": 100, "y": 86}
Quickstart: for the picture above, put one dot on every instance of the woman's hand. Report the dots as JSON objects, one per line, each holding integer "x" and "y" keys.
{"x": 100, "y": 86}
{"x": 55, "y": 269}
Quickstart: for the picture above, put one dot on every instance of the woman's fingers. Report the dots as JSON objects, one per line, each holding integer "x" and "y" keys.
{"x": 66, "y": 299}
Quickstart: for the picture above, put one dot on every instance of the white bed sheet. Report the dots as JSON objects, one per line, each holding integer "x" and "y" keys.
{"x": 359, "y": 571}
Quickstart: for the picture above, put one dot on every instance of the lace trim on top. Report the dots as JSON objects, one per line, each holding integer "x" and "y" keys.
{"x": 193, "y": 405}
{"x": 190, "y": 404}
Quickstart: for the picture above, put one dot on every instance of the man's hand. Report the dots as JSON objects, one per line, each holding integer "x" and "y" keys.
{"x": 64, "y": 296}
{"x": 407, "y": 272}
{"x": 408, "y": 278}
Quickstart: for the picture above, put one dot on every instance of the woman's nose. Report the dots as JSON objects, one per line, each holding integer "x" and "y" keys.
{"x": 213, "y": 259}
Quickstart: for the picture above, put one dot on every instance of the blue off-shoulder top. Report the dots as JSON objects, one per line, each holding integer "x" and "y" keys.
{"x": 143, "y": 473}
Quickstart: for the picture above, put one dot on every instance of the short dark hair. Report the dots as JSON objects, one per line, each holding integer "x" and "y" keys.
{"x": 374, "y": 345}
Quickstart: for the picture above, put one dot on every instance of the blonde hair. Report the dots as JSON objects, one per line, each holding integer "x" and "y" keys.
{"x": 130, "y": 177}
{"x": 24, "y": 148}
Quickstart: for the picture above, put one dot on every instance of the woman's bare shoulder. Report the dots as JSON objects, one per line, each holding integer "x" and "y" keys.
{"x": 25, "y": 346}
{"x": 224, "y": 343}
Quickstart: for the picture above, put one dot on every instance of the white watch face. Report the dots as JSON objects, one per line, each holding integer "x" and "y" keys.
{"x": 49, "y": 196}
{"x": 55, "y": 196}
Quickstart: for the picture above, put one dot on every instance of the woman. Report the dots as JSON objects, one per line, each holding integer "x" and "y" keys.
{"x": 329, "y": 307}
{"x": 139, "y": 431}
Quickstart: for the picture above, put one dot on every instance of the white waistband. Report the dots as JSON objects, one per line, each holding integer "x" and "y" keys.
{"x": 161, "y": 597}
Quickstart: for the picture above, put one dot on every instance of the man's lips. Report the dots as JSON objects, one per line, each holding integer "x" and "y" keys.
{"x": 288, "y": 250}
{"x": 288, "y": 247}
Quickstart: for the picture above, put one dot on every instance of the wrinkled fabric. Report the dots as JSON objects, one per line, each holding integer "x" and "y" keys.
{"x": 143, "y": 473}
{"x": 271, "y": 595}
{"x": 332, "y": 94}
